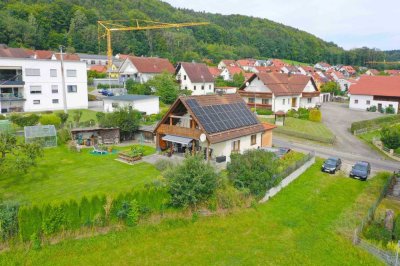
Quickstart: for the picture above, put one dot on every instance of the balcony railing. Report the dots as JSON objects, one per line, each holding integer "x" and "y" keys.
{"x": 193, "y": 133}
{"x": 259, "y": 105}
{"x": 11, "y": 97}
{"x": 16, "y": 82}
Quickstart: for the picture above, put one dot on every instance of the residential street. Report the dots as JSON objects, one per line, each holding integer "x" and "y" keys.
{"x": 338, "y": 118}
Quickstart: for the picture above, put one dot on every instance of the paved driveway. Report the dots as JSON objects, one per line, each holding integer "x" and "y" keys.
{"x": 338, "y": 118}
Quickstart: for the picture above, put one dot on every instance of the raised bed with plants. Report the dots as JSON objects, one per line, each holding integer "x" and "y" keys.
{"x": 133, "y": 155}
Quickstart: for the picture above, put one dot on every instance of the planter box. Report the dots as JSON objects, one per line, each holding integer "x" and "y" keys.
{"x": 129, "y": 158}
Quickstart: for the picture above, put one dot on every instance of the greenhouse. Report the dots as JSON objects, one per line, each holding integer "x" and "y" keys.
{"x": 5, "y": 125}
{"x": 47, "y": 135}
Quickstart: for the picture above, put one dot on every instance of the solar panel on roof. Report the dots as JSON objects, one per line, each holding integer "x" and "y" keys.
{"x": 219, "y": 118}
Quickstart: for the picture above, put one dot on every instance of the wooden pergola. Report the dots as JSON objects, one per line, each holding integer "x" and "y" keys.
{"x": 280, "y": 114}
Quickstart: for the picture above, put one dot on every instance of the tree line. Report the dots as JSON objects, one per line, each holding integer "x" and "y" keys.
{"x": 45, "y": 24}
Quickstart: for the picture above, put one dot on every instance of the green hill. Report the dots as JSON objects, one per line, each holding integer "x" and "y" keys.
{"x": 44, "y": 24}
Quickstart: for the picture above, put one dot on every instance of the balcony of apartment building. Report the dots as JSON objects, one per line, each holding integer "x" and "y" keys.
{"x": 11, "y": 77}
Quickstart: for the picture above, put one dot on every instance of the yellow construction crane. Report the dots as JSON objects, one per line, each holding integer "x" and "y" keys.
{"x": 105, "y": 27}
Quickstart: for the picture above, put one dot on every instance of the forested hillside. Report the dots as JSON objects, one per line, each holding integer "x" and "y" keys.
{"x": 44, "y": 24}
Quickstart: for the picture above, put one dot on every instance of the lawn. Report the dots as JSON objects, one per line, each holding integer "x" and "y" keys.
{"x": 86, "y": 115}
{"x": 297, "y": 227}
{"x": 295, "y": 63}
{"x": 62, "y": 174}
{"x": 304, "y": 129}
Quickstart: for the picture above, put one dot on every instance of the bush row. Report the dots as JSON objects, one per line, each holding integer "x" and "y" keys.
{"x": 30, "y": 221}
{"x": 375, "y": 123}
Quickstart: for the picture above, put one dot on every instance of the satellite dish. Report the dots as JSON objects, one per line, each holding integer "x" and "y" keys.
{"x": 203, "y": 137}
{"x": 247, "y": 84}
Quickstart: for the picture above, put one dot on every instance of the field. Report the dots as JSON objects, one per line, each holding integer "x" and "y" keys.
{"x": 295, "y": 63}
{"x": 62, "y": 174}
{"x": 303, "y": 129}
{"x": 298, "y": 227}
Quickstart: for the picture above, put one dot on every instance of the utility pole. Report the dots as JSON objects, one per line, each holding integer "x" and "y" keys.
{"x": 64, "y": 92}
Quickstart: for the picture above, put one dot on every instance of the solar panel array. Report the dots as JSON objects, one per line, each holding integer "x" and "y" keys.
{"x": 222, "y": 117}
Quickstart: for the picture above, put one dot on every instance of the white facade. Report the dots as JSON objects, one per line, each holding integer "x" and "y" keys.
{"x": 93, "y": 60}
{"x": 41, "y": 89}
{"x": 322, "y": 67}
{"x": 129, "y": 71}
{"x": 362, "y": 102}
{"x": 147, "y": 104}
{"x": 202, "y": 88}
{"x": 225, "y": 148}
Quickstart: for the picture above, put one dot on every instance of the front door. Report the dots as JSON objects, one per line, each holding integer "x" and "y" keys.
{"x": 379, "y": 107}
{"x": 294, "y": 102}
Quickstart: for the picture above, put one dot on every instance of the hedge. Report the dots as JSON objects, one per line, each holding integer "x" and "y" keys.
{"x": 50, "y": 219}
{"x": 375, "y": 123}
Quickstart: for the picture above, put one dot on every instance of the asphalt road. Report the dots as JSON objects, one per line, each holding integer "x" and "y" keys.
{"x": 338, "y": 118}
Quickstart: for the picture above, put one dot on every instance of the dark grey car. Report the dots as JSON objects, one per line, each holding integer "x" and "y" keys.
{"x": 361, "y": 170}
{"x": 331, "y": 165}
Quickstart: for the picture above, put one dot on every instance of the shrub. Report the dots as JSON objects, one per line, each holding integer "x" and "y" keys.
{"x": 36, "y": 243}
{"x": 377, "y": 231}
{"x": 50, "y": 119}
{"x": 255, "y": 170}
{"x": 8, "y": 220}
{"x": 371, "y": 109}
{"x": 133, "y": 213}
{"x": 2, "y": 117}
{"x": 390, "y": 110}
{"x": 292, "y": 113}
{"x": 390, "y": 136}
{"x": 397, "y": 151}
{"x": 396, "y": 228}
{"x": 52, "y": 219}
{"x": 84, "y": 212}
{"x": 264, "y": 112}
{"x": 303, "y": 113}
{"x": 29, "y": 222}
{"x": 63, "y": 136}
{"x": 315, "y": 115}
{"x": 72, "y": 215}
{"x": 191, "y": 182}
{"x": 23, "y": 121}
{"x": 97, "y": 210}
{"x": 63, "y": 117}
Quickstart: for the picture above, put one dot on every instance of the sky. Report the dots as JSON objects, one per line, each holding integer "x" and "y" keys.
{"x": 348, "y": 23}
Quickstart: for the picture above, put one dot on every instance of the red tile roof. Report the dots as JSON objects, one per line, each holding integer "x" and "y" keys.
{"x": 229, "y": 62}
{"x": 197, "y": 72}
{"x": 308, "y": 69}
{"x": 68, "y": 57}
{"x": 349, "y": 69}
{"x": 234, "y": 70}
{"x": 246, "y": 62}
{"x": 214, "y": 71}
{"x": 151, "y": 64}
{"x": 393, "y": 72}
{"x": 99, "y": 68}
{"x": 377, "y": 85}
{"x": 374, "y": 72}
{"x": 15, "y": 52}
{"x": 323, "y": 64}
{"x": 43, "y": 54}
{"x": 278, "y": 63}
{"x": 283, "y": 84}
{"x": 268, "y": 126}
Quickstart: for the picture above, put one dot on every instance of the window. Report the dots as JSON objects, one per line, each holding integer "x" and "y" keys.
{"x": 194, "y": 87}
{"x": 72, "y": 88}
{"x": 265, "y": 101}
{"x": 55, "y": 101}
{"x": 32, "y": 72}
{"x": 54, "y": 88}
{"x": 184, "y": 77}
{"x": 92, "y": 62}
{"x": 36, "y": 101}
{"x": 309, "y": 100}
{"x": 71, "y": 73}
{"x": 236, "y": 146}
{"x": 202, "y": 87}
{"x": 391, "y": 105}
{"x": 368, "y": 102}
{"x": 253, "y": 139}
{"x": 185, "y": 87}
{"x": 283, "y": 101}
{"x": 53, "y": 73}
{"x": 356, "y": 101}
{"x": 114, "y": 105}
{"x": 209, "y": 87}
{"x": 36, "y": 90}
{"x": 252, "y": 100}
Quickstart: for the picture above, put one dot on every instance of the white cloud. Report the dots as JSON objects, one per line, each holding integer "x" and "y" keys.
{"x": 349, "y": 23}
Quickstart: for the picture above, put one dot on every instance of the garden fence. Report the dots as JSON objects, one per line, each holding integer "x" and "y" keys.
{"x": 385, "y": 256}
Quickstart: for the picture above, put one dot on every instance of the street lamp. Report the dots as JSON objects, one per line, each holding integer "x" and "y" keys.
{"x": 64, "y": 93}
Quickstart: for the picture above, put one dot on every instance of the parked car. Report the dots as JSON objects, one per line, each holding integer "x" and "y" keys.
{"x": 331, "y": 165}
{"x": 361, "y": 170}
{"x": 107, "y": 93}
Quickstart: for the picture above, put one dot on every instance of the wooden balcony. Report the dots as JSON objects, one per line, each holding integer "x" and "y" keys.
{"x": 265, "y": 95}
{"x": 260, "y": 105}
{"x": 193, "y": 133}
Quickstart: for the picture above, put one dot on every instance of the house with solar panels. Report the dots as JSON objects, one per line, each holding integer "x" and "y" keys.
{"x": 216, "y": 125}
{"x": 280, "y": 92}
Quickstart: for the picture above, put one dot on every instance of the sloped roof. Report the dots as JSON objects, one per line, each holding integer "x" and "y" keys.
{"x": 197, "y": 72}
{"x": 277, "y": 63}
{"x": 99, "y": 68}
{"x": 283, "y": 84}
{"x": 377, "y": 85}
{"x": 151, "y": 64}
{"x": 68, "y": 57}
{"x": 43, "y": 54}
{"x": 214, "y": 71}
{"x": 323, "y": 64}
{"x": 393, "y": 72}
{"x": 15, "y": 52}
{"x": 220, "y": 117}
{"x": 308, "y": 69}
{"x": 234, "y": 70}
{"x": 229, "y": 62}
{"x": 246, "y": 62}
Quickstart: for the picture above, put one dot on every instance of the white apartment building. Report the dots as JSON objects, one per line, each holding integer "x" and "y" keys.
{"x": 28, "y": 84}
